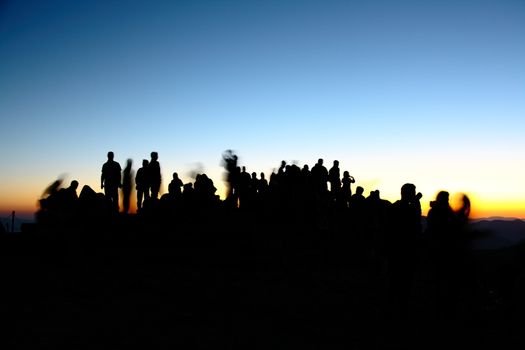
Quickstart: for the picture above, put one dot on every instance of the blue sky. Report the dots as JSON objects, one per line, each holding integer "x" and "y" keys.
{"x": 426, "y": 91}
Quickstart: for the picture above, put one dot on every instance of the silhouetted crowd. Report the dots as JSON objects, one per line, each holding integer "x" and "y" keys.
{"x": 297, "y": 196}
{"x": 294, "y": 201}
{"x": 293, "y": 197}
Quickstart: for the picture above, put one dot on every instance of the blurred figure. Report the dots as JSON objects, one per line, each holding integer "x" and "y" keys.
{"x": 52, "y": 188}
{"x": 110, "y": 180}
{"x": 127, "y": 184}
{"x": 464, "y": 212}
{"x": 448, "y": 240}
{"x": 282, "y": 167}
{"x": 142, "y": 184}
{"x": 154, "y": 175}
{"x": 229, "y": 161}
{"x": 49, "y": 201}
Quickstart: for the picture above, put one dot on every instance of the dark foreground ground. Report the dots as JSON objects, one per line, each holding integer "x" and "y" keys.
{"x": 241, "y": 288}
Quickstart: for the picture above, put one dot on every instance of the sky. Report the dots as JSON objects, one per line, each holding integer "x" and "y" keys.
{"x": 427, "y": 92}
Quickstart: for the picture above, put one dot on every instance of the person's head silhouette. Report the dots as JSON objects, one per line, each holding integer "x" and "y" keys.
{"x": 408, "y": 192}
{"x": 154, "y": 156}
{"x": 110, "y": 155}
{"x": 442, "y": 198}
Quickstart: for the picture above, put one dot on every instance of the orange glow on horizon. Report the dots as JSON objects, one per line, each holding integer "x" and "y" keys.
{"x": 491, "y": 201}
{"x": 481, "y": 208}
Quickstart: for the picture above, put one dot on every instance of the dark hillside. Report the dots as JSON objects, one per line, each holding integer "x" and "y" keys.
{"x": 260, "y": 285}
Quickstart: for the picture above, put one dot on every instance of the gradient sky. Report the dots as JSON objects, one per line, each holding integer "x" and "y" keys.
{"x": 428, "y": 92}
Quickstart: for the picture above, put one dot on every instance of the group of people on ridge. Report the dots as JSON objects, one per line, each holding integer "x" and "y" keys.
{"x": 147, "y": 180}
{"x": 299, "y": 198}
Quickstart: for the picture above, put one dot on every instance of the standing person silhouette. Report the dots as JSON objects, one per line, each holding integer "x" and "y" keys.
{"x": 127, "y": 179}
{"x": 110, "y": 180}
{"x": 446, "y": 229}
{"x": 320, "y": 177}
{"x": 403, "y": 248}
{"x": 175, "y": 186}
{"x": 334, "y": 177}
{"x": 142, "y": 184}
{"x": 346, "y": 189}
{"x": 154, "y": 175}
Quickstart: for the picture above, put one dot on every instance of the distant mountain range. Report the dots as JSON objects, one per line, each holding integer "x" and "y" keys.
{"x": 497, "y": 218}
{"x": 496, "y": 233}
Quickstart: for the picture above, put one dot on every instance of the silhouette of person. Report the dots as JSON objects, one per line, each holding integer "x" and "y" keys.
{"x": 334, "y": 177}
{"x": 53, "y": 188}
{"x": 142, "y": 184}
{"x": 319, "y": 176}
{"x": 263, "y": 185}
{"x": 174, "y": 188}
{"x": 377, "y": 221}
{"x": 188, "y": 194}
{"x": 448, "y": 243}
{"x": 357, "y": 198}
{"x": 127, "y": 184}
{"x": 402, "y": 247}
{"x": 49, "y": 201}
{"x": 244, "y": 188}
{"x": 110, "y": 180}
{"x": 282, "y": 168}
{"x": 71, "y": 191}
{"x": 464, "y": 212}
{"x": 154, "y": 175}
{"x": 346, "y": 189}
{"x": 229, "y": 161}
{"x": 357, "y": 210}
{"x": 305, "y": 171}
{"x": 68, "y": 198}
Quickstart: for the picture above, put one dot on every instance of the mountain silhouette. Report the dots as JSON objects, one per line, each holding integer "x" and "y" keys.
{"x": 498, "y": 234}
